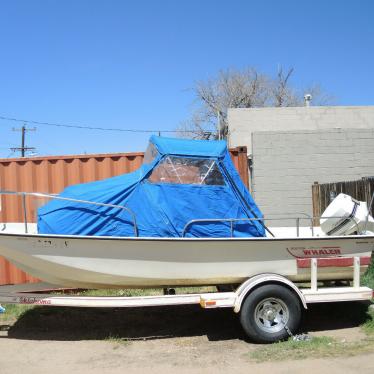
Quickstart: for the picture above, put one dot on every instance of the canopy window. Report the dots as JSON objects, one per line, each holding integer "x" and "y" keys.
{"x": 150, "y": 154}
{"x": 183, "y": 170}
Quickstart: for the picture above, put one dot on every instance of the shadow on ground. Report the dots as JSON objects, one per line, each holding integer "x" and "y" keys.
{"x": 335, "y": 316}
{"x": 48, "y": 323}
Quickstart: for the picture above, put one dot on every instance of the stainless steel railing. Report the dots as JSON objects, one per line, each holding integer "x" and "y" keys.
{"x": 233, "y": 220}
{"x": 188, "y": 224}
{"x": 56, "y": 197}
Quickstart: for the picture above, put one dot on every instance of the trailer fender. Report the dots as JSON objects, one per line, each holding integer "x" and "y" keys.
{"x": 251, "y": 283}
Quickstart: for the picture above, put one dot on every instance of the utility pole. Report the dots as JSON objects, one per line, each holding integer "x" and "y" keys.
{"x": 23, "y": 147}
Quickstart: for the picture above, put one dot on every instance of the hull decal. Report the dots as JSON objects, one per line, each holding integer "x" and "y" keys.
{"x": 309, "y": 252}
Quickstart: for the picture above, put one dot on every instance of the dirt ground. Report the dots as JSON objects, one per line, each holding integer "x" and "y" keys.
{"x": 186, "y": 339}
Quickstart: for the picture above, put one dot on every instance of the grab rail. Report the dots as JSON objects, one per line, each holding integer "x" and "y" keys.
{"x": 53, "y": 196}
{"x": 188, "y": 224}
{"x": 232, "y": 220}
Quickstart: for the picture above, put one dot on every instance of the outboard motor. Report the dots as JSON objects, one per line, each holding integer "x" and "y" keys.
{"x": 345, "y": 216}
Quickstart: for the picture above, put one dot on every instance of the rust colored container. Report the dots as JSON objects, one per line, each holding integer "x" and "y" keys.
{"x": 51, "y": 174}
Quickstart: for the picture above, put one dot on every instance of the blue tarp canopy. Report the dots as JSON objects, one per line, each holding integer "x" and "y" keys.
{"x": 180, "y": 180}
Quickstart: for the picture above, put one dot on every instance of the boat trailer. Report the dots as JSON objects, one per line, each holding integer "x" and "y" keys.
{"x": 264, "y": 300}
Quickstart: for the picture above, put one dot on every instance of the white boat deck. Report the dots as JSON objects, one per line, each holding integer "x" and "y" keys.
{"x": 279, "y": 232}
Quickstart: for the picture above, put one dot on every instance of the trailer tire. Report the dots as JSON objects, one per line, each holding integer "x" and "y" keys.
{"x": 266, "y": 312}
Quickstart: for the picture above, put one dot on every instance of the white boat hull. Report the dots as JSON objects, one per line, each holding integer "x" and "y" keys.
{"x": 111, "y": 262}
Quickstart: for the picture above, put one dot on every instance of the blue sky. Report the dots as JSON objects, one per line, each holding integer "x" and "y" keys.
{"x": 131, "y": 64}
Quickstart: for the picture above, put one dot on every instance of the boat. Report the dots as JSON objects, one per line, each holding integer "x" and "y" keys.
{"x": 184, "y": 218}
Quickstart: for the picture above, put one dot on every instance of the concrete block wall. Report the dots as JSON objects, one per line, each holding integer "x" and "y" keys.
{"x": 243, "y": 122}
{"x": 287, "y": 163}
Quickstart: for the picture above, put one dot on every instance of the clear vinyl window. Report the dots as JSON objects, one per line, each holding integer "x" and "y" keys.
{"x": 183, "y": 170}
{"x": 150, "y": 154}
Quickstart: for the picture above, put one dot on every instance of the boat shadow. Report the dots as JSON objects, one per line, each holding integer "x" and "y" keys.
{"x": 72, "y": 324}
{"x": 59, "y": 323}
{"x": 335, "y": 316}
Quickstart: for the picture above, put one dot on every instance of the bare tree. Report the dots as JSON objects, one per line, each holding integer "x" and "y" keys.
{"x": 247, "y": 88}
{"x": 281, "y": 92}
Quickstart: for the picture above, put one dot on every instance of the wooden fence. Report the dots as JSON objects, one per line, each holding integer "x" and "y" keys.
{"x": 361, "y": 190}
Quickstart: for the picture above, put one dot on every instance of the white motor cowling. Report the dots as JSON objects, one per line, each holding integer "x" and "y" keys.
{"x": 345, "y": 216}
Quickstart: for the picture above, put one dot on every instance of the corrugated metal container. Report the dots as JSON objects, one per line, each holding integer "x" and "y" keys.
{"x": 51, "y": 174}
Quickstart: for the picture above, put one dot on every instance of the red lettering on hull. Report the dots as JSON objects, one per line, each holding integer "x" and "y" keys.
{"x": 322, "y": 252}
{"x": 305, "y": 252}
{"x": 34, "y": 301}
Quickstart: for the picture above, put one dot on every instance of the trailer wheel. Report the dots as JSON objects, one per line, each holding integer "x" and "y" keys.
{"x": 267, "y": 311}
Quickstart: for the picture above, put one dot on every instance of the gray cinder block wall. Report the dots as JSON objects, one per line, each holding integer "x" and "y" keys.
{"x": 243, "y": 122}
{"x": 293, "y": 147}
{"x": 287, "y": 163}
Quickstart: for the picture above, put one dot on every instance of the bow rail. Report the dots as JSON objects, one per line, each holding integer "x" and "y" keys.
{"x": 56, "y": 197}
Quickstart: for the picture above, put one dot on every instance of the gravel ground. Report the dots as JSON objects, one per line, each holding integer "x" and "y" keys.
{"x": 163, "y": 339}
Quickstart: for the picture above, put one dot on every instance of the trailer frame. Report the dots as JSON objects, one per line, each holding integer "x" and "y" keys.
{"x": 28, "y": 294}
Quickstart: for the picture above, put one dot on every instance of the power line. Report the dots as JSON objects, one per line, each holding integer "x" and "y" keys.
{"x": 10, "y": 154}
{"x": 90, "y": 127}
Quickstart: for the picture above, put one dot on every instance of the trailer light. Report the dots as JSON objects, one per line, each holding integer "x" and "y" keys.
{"x": 207, "y": 303}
